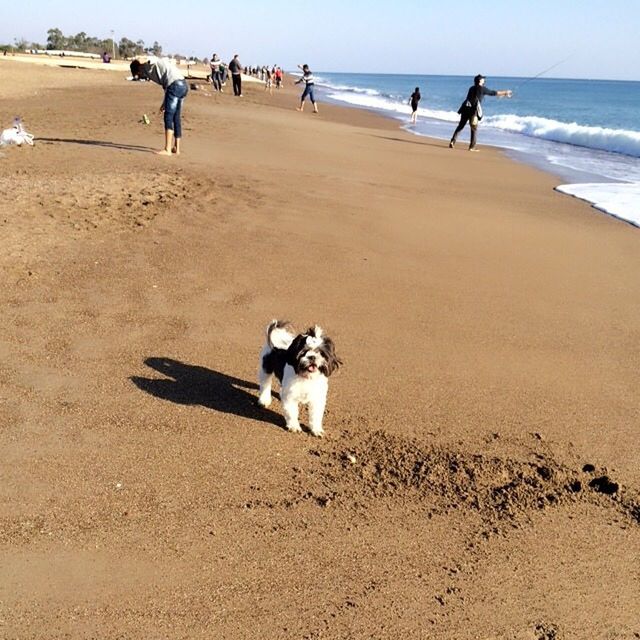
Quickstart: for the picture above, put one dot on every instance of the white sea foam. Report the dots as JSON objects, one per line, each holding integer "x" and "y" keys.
{"x": 621, "y": 200}
{"x": 395, "y": 107}
{"x": 347, "y": 89}
{"x": 601, "y": 138}
{"x": 369, "y": 101}
{"x": 616, "y": 140}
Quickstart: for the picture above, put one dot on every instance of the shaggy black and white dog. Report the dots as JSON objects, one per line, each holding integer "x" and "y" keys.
{"x": 302, "y": 363}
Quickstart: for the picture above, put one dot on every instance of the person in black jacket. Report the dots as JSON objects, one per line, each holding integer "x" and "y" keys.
{"x": 413, "y": 101}
{"x": 471, "y": 109}
{"x": 235, "y": 68}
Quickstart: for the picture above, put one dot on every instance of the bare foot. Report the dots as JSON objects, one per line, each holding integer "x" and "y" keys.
{"x": 299, "y": 109}
{"x": 163, "y": 152}
{"x": 175, "y": 152}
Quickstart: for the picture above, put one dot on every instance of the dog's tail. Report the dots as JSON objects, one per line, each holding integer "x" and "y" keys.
{"x": 279, "y": 334}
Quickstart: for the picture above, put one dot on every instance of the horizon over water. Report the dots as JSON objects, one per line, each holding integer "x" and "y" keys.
{"x": 586, "y": 132}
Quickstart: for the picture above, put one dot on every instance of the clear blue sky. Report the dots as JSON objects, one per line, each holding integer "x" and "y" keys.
{"x": 496, "y": 37}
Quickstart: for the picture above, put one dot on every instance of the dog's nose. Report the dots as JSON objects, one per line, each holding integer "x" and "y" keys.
{"x": 312, "y": 358}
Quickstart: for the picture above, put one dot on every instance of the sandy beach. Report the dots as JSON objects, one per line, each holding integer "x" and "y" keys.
{"x": 480, "y": 475}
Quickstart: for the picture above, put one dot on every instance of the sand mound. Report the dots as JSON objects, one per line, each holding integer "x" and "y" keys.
{"x": 501, "y": 490}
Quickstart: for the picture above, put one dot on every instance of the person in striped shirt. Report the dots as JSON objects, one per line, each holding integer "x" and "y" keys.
{"x": 307, "y": 78}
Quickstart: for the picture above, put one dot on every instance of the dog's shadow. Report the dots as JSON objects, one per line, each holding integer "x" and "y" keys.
{"x": 192, "y": 385}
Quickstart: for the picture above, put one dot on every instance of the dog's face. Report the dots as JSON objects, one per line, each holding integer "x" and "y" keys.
{"x": 312, "y": 353}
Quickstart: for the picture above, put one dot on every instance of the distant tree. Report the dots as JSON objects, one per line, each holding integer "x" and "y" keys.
{"x": 56, "y": 39}
{"x": 95, "y": 45}
{"x": 129, "y": 49}
{"x": 78, "y": 42}
{"x": 21, "y": 44}
{"x": 126, "y": 48}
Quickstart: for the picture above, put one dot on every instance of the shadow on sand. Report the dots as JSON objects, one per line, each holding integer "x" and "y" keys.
{"x": 100, "y": 143}
{"x": 192, "y": 385}
{"x": 423, "y": 142}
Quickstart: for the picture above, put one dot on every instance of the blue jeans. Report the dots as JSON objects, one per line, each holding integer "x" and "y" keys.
{"x": 308, "y": 91}
{"x": 173, "y": 98}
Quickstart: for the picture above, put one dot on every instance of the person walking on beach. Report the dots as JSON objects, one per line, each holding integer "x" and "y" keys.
{"x": 268, "y": 80}
{"x": 413, "y": 101}
{"x": 236, "y": 78}
{"x": 216, "y": 72}
{"x": 471, "y": 109}
{"x": 307, "y": 78}
{"x": 166, "y": 74}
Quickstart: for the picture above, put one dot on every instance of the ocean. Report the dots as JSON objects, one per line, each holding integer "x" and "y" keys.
{"x": 586, "y": 132}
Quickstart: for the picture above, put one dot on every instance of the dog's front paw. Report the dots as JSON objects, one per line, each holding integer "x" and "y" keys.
{"x": 294, "y": 427}
{"x": 318, "y": 432}
{"x": 264, "y": 401}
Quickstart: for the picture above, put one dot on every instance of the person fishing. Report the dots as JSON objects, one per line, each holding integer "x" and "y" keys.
{"x": 471, "y": 109}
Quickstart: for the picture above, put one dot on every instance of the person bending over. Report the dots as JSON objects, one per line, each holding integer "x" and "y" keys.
{"x": 166, "y": 74}
{"x": 471, "y": 109}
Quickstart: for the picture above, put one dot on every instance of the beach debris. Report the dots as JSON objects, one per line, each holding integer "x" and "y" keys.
{"x": 145, "y": 119}
{"x": 349, "y": 456}
{"x": 16, "y": 135}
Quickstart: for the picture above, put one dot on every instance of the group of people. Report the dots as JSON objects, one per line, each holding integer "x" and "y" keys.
{"x": 166, "y": 74}
{"x": 220, "y": 71}
{"x": 271, "y": 77}
{"x": 470, "y": 110}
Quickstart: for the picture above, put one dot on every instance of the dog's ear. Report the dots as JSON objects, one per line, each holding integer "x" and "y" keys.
{"x": 315, "y": 332}
{"x": 332, "y": 362}
{"x": 293, "y": 352}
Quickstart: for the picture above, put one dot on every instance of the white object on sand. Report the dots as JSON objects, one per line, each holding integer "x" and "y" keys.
{"x": 15, "y": 135}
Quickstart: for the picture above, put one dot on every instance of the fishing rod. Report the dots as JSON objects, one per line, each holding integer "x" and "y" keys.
{"x": 553, "y": 66}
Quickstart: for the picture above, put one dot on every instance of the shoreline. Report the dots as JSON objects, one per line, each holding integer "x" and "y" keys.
{"x": 488, "y": 328}
{"x": 609, "y": 192}
{"x": 598, "y": 194}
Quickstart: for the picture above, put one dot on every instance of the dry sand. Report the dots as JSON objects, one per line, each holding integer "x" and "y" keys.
{"x": 489, "y": 329}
